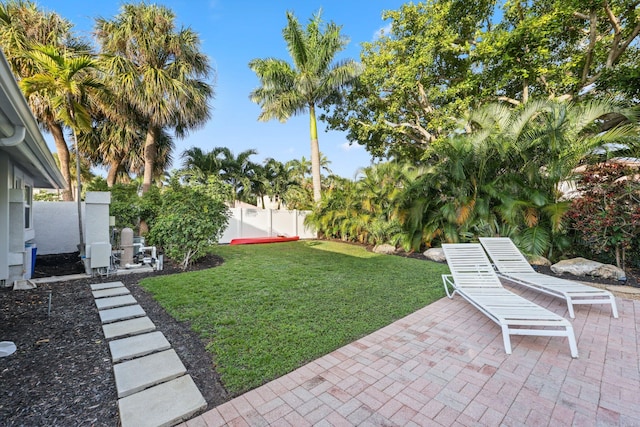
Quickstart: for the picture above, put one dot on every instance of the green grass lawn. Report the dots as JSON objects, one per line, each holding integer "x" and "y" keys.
{"x": 272, "y": 308}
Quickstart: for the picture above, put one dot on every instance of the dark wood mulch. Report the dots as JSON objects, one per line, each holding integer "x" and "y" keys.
{"x": 61, "y": 373}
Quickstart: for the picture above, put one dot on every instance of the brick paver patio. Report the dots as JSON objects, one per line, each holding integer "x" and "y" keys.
{"x": 445, "y": 365}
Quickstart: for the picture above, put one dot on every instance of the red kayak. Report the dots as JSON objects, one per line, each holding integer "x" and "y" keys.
{"x": 254, "y": 240}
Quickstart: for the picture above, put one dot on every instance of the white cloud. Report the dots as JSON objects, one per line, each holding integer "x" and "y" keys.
{"x": 347, "y": 146}
{"x": 382, "y": 31}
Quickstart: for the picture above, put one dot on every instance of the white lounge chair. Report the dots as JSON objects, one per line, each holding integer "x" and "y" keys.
{"x": 473, "y": 278}
{"x": 513, "y": 266}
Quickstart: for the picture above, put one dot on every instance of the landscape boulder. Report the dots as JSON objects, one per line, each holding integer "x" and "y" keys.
{"x": 608, "y": 271}
{"x": 539, "y": 260}
{"x": 385, "y": 249}
{"x": 585, "y": 267}
{"x": 435, "y": 254}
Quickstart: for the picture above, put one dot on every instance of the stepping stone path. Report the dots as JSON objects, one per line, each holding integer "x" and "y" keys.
{"x": 153, "y": 386}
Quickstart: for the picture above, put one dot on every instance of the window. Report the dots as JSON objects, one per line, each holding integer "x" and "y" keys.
{"x": 28, "y": 200}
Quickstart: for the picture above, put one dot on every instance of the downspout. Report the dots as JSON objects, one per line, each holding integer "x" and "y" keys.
{"x": 19, "y": 133}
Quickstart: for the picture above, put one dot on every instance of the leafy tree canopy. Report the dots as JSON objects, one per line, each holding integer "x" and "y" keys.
{"x": 443, "y": 57}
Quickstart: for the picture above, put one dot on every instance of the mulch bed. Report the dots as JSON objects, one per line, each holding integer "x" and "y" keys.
{"x": 62, "y": 372}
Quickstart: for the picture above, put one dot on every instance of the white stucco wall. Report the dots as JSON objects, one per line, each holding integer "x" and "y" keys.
{"x": 56, "y": 225}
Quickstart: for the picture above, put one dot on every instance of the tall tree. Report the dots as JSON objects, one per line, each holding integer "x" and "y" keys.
{"x": 441, "y": 58}
{"x": 415, "y": 80}
{"x": 67, "y": 81}
{"x": 313, "y": 79}
{"x": 239, "y": 172}
{"x": 201, "y": 163}
{"x": 160, "y": 69}
{"x": 22, "y": 23}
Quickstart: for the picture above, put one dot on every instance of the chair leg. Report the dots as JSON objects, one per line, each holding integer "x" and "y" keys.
{"x": 572, "y": 342}
{"x": 570, "y": 307}
{"x": 506, "y": 339}
{"x": 614, "y": 307}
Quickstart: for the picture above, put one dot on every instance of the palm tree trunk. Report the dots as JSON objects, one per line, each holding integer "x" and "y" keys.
{"x": 63, "y": 157}
{"x": 315, "y": 155}
{"x": 113, "y": 173}
{"x": 150, "y": 152}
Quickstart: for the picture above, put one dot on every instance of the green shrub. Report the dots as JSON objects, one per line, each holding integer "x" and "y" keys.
{"x": 125, "y": 205}
{"x": 605, "y": 218}
{"x": 188, "y": 223}
{"x": 150, "y": 205}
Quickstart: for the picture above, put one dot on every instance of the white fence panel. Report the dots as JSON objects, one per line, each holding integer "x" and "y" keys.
{"x": 56, "y": 225}
{"x": 301, "y": 229}
{"x": 255, "y": 223}
{"x": 246, "y": 223}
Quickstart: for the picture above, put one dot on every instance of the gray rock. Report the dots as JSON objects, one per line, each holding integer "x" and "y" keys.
{"x": 435, "y": 254}
{"x": 385, "y": 249}
{"x": 539, "y": 260}
{"x": 575, "y": 266}
{"x": 608, "y": 271}
{"x": 585, "y": 267}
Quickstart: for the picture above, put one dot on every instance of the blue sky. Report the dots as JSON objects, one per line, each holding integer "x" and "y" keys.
{"x": 232, "y": 33}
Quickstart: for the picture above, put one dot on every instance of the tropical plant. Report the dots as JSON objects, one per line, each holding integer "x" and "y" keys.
{"x": 240, "y": 173}
{"x": 366, "y": 210}
{"x": 125, "y": 205}
{"x": 202, "y": 164}
{"x": 500, "y": 174}
{"x": 67, "y": 80}
{"x": 605, "y": 216}
{"x": 274, "y": 182}
{"x": 313, "y": 79}
{"x": 505, "y": 174}
{"x": 22, "y": 24}
{"x": 160, "y": 70}
{"x": 189, "y": 223}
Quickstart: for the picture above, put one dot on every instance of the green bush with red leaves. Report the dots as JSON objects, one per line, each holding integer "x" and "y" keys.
{"x": 605, "y": 218}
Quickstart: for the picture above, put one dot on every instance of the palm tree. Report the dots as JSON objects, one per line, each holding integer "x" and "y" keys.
{"x": 240, "y": 173}
{"x": 313, "y": 79}
{"x": 202, "y": 164}
{"x": 21, "y": 25}
{"x": 66, "y": 79}
{"x": 299, "y": 169}
{"x": 160, "y": 70}
{"x": 504, "y": 174}
{"x": 278, "y": 181}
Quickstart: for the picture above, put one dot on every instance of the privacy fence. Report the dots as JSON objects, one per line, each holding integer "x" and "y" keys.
{"x": 56, "y": 225}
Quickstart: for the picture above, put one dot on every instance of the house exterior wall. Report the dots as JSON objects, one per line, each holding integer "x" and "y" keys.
{"x": 4, "y": 217}
{"x": 16, "y": 222}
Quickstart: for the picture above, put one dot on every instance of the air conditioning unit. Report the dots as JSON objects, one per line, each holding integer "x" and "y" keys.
{"x": 100, "y": 255}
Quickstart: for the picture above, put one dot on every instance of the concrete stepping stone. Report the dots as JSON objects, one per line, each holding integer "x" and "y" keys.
{"x": 112, "y": 302}
{"x": 101, "y": 286}
{"x": 137, "y": 346}
{"x": 141, "y": 373}
{"x": 111, "y": 292}
{"x": 163, "y": 405}
{"x": 139, "y": 325}
{"x": 121, "y": 313}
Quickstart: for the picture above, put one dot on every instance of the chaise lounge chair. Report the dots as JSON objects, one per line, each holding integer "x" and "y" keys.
{"x": 513, "y": 266}
{"x": 473, "y": 278}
